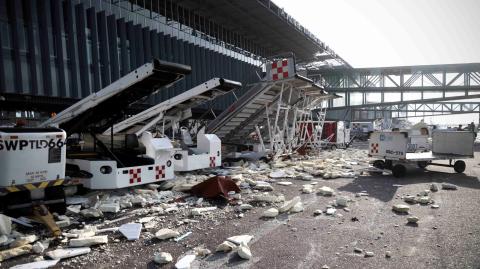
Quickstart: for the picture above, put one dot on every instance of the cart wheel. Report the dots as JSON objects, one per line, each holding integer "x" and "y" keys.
{"x": 459, "y": 166}
{"x": 388, "y": 164}
{"x": 379, "y": 164}
{"x": 55, "y": 199}
{"x": 399, "y": 170}
{"x": 422, "y": 164}
{"x": 333, "y": 147}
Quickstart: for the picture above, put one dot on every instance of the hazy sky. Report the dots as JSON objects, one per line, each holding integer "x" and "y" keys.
{"x": 375, "y": 33}
{"x": 369, "y": 33}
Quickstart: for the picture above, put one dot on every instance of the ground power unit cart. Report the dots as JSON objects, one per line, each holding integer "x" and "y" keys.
{"x": 391, "y": 151}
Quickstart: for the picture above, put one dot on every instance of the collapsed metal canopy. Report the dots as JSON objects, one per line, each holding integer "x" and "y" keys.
{"x": 103, "y": 108}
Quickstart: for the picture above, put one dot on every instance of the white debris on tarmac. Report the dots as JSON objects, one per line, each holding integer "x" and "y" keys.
{"x": 14, "y": 252}
{"x": 89, "y": 241}
{"x": 166, "y": 233}
{"x": 163, "y": 257}
{"x": 38, "y": 247}
{"x": 226, "y": 246}
{"x": 330, "y": 211}
{"x": 270, "y": 198}
{"x": 307, "y": 188}
{"x": 297, "y": 208}
{"x": 185, "y": 262}
{"x": 270, "y": 213}
{"x": 244, "y": 251}
{"x": 201, "y": 251}
{"x": 412, "y": 219}
{"x": 202, "y": 210}
{"x": 342, "y": 201}
{"x": 5, "y": 225}
{"x": 131, "y": 230}
{"x": 239, "y": 239}
{"x": 181, "y": 237}
{"x": 63, "y": 253}
{"x": 326, "y": 191}
{"x": 449, "y": 186}
{"x": 36, "y": 265}
{"x": 244, "y": 207}
{"x": 401, "y": 208}
{"x": 289, "y": 204}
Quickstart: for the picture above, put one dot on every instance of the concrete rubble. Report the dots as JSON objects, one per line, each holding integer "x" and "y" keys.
{"x": 326, "y": 191}
{"x": 330, "y": 211}
{"x": 100, "y": 217}
{"x": 185, "y": 262}
{"x": 448, "y": 186}
{"x": 244, "y": 251}
{"x": 63, "y": 253}
{"x": 5, "y": 225}
{"x": 270, "y": 213}
{"x": 226, "y": 246}
{"x": 89, "y": 241}
{"x": 289, "y": 204}
{"x": 38, "y": 247}
{"x": 163, "y": 257}
{"x": 131, "y": 230}
{"x": 200, "y": 211}
{"x": 342, "y": 201}
{"x": 14, "y": 252}
{"x": 239, "y": 239}
{"x": 399, "y": 208}
{"x": 369, "y": 254}
{"x": 36, "y": 265}
{"x": 412, "y": 219}
{"x": 307, "y": 189}
{"x": 166, "y": 233}
{"x": 201, "y": 251}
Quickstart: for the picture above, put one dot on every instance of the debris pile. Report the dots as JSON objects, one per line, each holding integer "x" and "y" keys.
{"x": 174, "y": 212}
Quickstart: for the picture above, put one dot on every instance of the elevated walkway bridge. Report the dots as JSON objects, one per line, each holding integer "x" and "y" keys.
{"x": 405, "y": 91}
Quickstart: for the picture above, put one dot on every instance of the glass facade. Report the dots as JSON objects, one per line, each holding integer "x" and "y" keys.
{"x": 69, "y": 49}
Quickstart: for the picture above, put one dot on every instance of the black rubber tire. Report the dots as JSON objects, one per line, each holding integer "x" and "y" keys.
{"x": 379, "y": 164}
{"x": 422, "y": 164}
{"x": 399, "y": 170}
{"x": 333, "y": 147}
{"x": 56, "y": 193}
{"x": 17, "y": 198}
{"x": 388, "y": 164}
{"x": 459, "y": 166}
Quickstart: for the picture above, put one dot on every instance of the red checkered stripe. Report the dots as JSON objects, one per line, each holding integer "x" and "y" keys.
{"x": 374, "y": 148}
{"x": 212, "y": 161}
{"x": 280, "y": 69}
{"x": 135, "y": 175}
{"x": 159, "y": 172}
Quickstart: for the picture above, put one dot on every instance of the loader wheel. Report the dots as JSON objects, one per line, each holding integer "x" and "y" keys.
{"x": 379, "y": 164}
{"x": 459, "y": 166}
{"x": 388, "y": 164}
{"x": 399, "y": 170}
{"x": 18, "y": 204}
{"x": 55, "y": 199}
{"x": 422, "y": 164}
